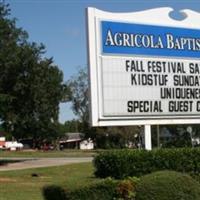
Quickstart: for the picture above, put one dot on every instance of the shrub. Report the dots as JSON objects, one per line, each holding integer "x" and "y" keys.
{"x": 167, "y": 185}
{"x": 54, "y": 192}
{"x": 120, "y": 164}
{"x": 107, "y": 189}
{"x": 103, "y": 190}
{"x": 126, "y": 188}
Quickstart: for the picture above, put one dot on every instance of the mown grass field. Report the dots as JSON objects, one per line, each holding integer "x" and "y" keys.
{"x": 47, "y": 154}
{"x": 21, "y": 185}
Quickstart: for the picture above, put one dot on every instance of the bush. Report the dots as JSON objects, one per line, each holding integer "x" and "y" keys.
{"x": 54, "y": 192}
{"x": 126, "y": 189}
{"x": 107, "y": 189}
{"x": 104, "y": 190}
{"x": 120, "y": 164}
{"x": 167, "y": 185}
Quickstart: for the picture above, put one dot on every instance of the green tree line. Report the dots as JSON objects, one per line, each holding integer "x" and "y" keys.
{"x": 31, "y": 85}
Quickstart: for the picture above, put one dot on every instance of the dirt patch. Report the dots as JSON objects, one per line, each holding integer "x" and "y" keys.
{"x": 45, "y": 177}
{"x": 7, "y": 180}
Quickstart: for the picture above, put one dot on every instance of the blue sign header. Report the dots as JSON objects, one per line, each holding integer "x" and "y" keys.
{"x": 126, "y": 38}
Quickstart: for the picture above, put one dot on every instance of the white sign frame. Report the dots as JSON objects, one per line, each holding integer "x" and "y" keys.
{"x": 158, "y": 16}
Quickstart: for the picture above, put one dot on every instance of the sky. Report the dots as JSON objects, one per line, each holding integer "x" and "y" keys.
{"x": 61, "y": 26}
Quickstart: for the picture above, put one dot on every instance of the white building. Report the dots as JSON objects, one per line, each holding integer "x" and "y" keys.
{"x": 87, "y": 144}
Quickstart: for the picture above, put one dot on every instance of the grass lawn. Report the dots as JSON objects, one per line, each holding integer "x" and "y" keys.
{"x": 20, "y": 185}
{"x": 45, "y": 154}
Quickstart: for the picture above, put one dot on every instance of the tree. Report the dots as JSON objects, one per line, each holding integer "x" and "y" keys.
{"x": 179, "y": 136}
{"x": 106, "y": 137}
{"x": 70, "y": 126}
{"x": 31, "y": 86}
{"x": 78, "y": 94}
{"x": 117, "y": 137}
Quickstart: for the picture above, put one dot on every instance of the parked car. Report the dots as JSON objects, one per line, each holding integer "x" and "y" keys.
{"x": 13, "y": 145}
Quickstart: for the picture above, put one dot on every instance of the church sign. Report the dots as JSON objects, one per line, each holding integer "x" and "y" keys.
{"x": 144, "y": 67}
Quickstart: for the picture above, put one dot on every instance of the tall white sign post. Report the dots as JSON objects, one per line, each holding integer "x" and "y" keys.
{"x": 144, "y": 68}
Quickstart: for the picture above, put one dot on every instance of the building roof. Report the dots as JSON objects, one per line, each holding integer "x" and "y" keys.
{"x": 71, "y": 137}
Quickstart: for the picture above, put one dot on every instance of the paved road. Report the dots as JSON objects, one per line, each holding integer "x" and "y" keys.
{"x": 28, "y": 163}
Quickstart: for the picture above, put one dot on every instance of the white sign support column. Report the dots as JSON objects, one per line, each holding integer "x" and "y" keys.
{"x": 147, "y": 137}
